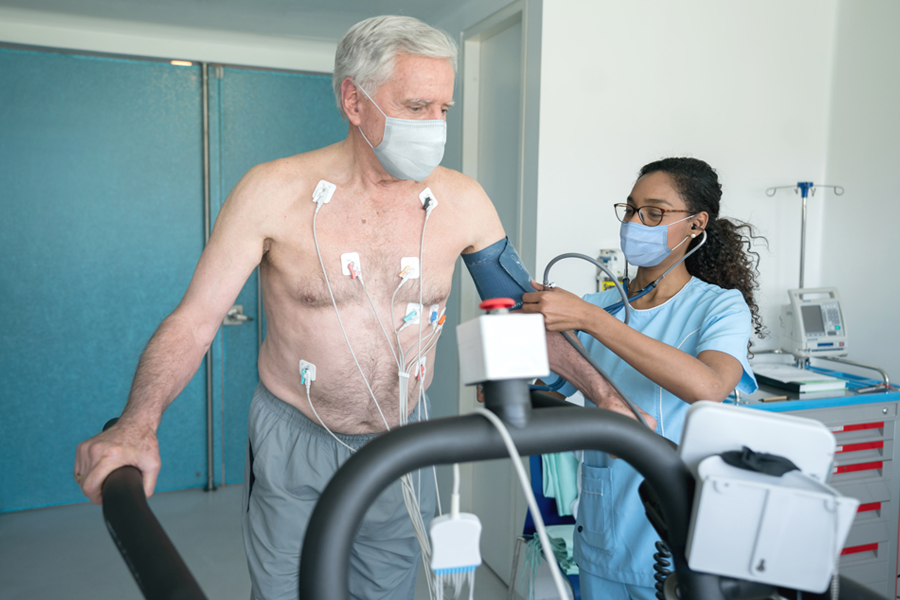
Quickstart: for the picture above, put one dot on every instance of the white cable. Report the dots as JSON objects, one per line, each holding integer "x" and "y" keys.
{"x": 403, "y": 280}
{"x": 402, "y": 400}
{"x": 403, "y": 392}
{"x": 377, "y": 318}
{"x": 341, "y": 323}
{"x": 422, "y": 287}
{"x": 454, "y": 496}
{"x": 529, "y": 496}
{"x": 437, "y": 495}
{"x": 406, "y": 370}
{"x": 322, "y": 423}
{"x": 428, "y": 346}
{"x": 409, "y": 499}
{"x": 415, "y": 515}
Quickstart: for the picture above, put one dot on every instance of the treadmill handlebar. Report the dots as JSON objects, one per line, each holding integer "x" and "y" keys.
{"x": 336, "y": 519}
{"x": 158, "y": 569}
{"x": 161, "y": 573}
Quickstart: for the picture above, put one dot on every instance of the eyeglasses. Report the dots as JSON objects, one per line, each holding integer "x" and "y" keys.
{"x": 649, "y": 215}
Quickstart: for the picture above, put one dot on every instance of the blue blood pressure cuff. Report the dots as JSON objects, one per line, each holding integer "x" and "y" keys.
{"x": 498, "y": 272}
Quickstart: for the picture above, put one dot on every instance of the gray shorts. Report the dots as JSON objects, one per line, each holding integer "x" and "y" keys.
{"x": 290, "y": 460}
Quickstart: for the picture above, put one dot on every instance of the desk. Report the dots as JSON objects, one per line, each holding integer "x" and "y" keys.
{"x": 865, "y": 467}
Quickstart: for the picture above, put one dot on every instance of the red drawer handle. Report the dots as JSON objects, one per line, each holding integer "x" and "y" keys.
{"x": 857, "y": 427}
{"x": 860, "y": 447}
{"x": 860, "y": 467}
{"x": 858, "y": 549}
{"x": 868, "y": 507}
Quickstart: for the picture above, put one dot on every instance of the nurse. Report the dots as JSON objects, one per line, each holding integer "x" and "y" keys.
{"x": 687, "y": 340}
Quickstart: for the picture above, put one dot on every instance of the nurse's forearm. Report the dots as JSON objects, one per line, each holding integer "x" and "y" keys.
{"x": 711, "y": 376}
{"x": 568, "y": 362}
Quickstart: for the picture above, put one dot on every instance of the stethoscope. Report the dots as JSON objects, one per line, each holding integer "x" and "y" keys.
{"x": 616, "y": 307}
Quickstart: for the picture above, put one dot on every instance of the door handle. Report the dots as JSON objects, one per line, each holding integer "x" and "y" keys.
{"x": 236, "y": 316}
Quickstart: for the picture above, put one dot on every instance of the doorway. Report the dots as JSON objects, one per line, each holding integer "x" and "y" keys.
{"x": 500, "y": 109}
{"x": 101, "y": 182}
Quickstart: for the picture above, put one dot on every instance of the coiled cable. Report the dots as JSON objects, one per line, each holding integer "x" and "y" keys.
{"x": 661, "y": 563}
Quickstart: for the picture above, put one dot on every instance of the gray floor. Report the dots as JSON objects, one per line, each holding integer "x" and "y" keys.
{"x": 66, "y": 552}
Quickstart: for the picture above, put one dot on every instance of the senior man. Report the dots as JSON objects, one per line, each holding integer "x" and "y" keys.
{"x": 337, "y": 234}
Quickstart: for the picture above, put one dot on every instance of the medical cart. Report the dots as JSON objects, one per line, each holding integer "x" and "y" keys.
{"x": 865, "y": 467}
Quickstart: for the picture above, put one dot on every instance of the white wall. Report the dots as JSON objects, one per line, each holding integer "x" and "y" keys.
{"x": 859, "y": 253}
{"x": 742, "y": 85}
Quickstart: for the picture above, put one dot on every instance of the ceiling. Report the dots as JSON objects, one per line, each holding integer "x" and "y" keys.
{"x": 309, "y": 19}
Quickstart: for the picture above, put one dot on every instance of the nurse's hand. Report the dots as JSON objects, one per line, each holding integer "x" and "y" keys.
{"x": 562, "y": 310}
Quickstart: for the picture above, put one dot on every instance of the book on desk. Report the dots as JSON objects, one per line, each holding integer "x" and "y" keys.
{"x": 796, "y": 380}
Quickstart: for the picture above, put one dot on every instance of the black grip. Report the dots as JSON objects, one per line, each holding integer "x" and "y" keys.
{"x": 153, "y": 560}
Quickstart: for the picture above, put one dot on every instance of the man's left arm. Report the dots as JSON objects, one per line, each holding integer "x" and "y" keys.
{"x": 494, "y": 269}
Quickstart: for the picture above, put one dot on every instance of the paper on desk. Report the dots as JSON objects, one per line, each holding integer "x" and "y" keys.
{"x": 789, "y": 374}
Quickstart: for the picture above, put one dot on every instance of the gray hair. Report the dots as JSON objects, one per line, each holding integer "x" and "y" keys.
{"x": 367, "y": 51}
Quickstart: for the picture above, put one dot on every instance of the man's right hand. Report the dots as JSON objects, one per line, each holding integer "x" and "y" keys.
{"x": 618, "y": 405}
{"x": 118, "y": 446}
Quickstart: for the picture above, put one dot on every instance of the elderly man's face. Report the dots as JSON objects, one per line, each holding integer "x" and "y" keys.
{"x": 421, "y": 88}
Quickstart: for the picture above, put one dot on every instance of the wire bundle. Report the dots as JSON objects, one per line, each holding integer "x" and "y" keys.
{"x": 411, "y": 493}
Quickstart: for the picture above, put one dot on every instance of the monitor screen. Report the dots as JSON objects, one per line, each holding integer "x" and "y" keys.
{"x": 812, "y": 319}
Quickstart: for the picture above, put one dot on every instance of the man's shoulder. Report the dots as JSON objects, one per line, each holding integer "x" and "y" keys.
{"x": 297, "y": 170}
{"x": 288, "y": 178}
{"x": 456, "y": 186}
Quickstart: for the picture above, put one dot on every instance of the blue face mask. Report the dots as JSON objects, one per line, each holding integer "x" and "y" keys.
{"x": 645, "y": 246}
{"x": 410, "y": 148}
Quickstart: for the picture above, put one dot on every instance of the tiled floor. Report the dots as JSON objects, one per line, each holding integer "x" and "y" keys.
{"x": 66, "y": 553}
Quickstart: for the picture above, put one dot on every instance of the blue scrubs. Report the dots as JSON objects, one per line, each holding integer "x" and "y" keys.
{"x": 614, "y": 541}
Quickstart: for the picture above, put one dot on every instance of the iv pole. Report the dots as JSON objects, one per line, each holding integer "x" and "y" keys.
{"x": 805, "y": 189}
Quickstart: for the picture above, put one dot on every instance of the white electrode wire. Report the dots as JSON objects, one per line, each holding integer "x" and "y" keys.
{"x": 409, "y": 496}
{"x": 437, "y": 495}
{"x": 409, "y": 499}
{"x": 437, "y": 491}
{"x": 415, "y": 515}
{"x": 403, "y": 387}
{"x": 341, "y": 323}
{"x": 419, "y": 395}
{"x": 393, "y": 299}
{"x": 413, "y": 503}
{"x": 377, "y": 318}
{"x": 401, "y": 366}
{"x": 529, "y": 496}
{"x": 454, "y": 498}
{"x": 428, "y": 346}
{"x": 421, "y": 291}
{"x": 322, "y": 423}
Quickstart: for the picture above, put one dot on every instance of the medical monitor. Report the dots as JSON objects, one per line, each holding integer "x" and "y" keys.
{"x": 813, "y": 323}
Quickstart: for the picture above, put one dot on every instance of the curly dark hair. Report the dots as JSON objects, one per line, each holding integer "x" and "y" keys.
{"x": 727, "y": 258}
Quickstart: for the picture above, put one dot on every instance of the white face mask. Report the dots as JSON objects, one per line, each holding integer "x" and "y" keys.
{"x": 410, "y": 148}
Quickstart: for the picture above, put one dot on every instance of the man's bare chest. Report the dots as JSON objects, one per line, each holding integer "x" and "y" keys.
{"x": 359, "y": 252}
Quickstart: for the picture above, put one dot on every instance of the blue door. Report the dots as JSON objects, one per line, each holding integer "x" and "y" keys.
{"x": 256, "y": 116}
{"x": 101, "y": 190}
{"x": 102, "y": 224}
